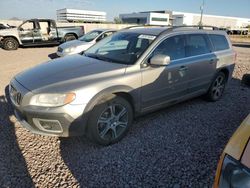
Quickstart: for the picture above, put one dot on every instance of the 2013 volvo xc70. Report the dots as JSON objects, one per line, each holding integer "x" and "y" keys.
{"x": 127, "y": 74}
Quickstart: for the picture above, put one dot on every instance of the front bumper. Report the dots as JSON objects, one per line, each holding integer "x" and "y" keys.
{"x": 68, "y": 125}
{"x": 60, "y": 54}
{"x": 63, "y": 54}
{"x": 64, "y": 121}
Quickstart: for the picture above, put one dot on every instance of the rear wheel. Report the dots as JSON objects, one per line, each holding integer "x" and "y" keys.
{"x": 10, "y": 43}
{"x": 110, "y": 120}
{"x": 69, "y": 37}
{"x": 217, "y": 87}
{"x": 246, "y": 79}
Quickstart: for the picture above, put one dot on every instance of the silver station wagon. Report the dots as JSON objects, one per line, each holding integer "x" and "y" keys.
{"x": 132, "y": 72}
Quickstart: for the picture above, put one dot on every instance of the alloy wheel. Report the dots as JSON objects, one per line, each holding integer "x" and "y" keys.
{"x": 10, "y": 44}
{"x": 218, "y": 87}
{"x": 112, "y": 122}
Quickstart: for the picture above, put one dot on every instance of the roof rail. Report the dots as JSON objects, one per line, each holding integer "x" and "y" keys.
{"x": 201, "y": 27}
{"x": 145, "y": 25}
{"x": 197, "y": 26}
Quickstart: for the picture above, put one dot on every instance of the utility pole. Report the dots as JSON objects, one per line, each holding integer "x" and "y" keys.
{"x": 202, "y": 9}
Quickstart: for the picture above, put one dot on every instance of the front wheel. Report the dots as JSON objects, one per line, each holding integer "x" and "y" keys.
{"x": 10, "y": 43}
{"x": 217, "y": 87}
{"x": 110, "y": 120}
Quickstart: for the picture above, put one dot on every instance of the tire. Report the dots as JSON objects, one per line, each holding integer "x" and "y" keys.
{"x": 246, "y": 80}
{"x": 10, "y": 43}
{"x": 69, "y": 37}
{"x": 217, "y": 87}
{"x": 109, "y": 120}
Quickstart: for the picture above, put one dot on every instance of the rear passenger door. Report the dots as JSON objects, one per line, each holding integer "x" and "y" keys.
{"x": 201, "y": 62}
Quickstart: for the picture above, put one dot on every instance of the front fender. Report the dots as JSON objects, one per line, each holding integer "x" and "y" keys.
{"x": 10, "y": 33}
{"x": 111, "y": 90}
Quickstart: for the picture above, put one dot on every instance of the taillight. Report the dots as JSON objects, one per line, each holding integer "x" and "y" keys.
{"x": 235, "y": 57}
{"x": 82, "y": 27}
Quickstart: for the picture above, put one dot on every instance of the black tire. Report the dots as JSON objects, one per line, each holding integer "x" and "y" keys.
{"x": 105, "y": 129}
{"x": 69, "y": 37}
{"x": 246, "y": 80}
{"x": 10, "y": 43}
{"x": 217, "y": 87}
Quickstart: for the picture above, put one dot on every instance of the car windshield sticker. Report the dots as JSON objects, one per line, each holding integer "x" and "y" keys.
{"x": 149, "y": 37}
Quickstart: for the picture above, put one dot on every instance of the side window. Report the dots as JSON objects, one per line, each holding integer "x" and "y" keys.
{"x": 104, "y": 35}
{"x": 28, "y": 26}
{"x": 173, "y": 47}
{"x": 108, "y": 33}
{"x": 44, "y": 26}
{"x": 196, "y": 44}
{"x": 219, "y": 42}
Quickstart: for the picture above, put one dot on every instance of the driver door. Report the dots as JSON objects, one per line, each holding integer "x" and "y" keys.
{"x": 165, "y": 84}
{"x": 26, "y": 32}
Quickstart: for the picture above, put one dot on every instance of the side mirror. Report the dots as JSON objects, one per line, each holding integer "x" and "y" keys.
{"x": 21, "y": 29}
{"x": 160, "y": 60}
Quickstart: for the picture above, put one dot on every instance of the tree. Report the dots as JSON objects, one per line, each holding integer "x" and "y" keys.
{"x": 117, "y": 20}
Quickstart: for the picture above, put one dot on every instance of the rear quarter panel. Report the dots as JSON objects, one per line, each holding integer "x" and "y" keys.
{"x": 63, "y": 31}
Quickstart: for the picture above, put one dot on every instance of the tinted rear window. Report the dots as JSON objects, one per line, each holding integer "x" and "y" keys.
{"x": 219, "y": 42}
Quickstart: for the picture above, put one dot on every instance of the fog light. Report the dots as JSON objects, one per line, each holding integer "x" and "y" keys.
{"x": 53, "y": 126}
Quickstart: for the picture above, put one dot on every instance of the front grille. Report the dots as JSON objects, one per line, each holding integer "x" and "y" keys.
{"x": 15, "y": 95}
{"x": 60, "y": 49}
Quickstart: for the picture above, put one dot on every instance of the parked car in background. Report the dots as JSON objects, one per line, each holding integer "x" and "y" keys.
{"x": 38, "y": 32}
{"x": 234, "y": 166}
{"x": 83, "y": 43}
{"x": 129, "y": 73}
{"x": 5, "y": 26}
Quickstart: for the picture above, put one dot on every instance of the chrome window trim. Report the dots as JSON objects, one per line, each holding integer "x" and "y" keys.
{"x": 177, "y": 34}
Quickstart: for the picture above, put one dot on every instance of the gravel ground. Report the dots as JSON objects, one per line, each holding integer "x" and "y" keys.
{"x": 175, "y": 147}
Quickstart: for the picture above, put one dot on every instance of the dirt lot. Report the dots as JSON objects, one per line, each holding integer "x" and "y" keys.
{"x": 178, "y": 146}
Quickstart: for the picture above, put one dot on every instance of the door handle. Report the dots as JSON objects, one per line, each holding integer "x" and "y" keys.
{"x": 213, "y": 60}
{"x": 183, "y": 68}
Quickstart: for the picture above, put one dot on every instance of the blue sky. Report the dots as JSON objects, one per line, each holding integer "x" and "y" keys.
{"x": 47, "y": 8}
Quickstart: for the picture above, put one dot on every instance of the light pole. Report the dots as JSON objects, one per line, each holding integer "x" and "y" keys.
{"x": 202, "y": 9}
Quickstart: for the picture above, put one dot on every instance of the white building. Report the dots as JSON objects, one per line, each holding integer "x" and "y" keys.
{"x": 73, "y": 15}
{"x": 146, "y": 18}
{"x": 184, "y": 18}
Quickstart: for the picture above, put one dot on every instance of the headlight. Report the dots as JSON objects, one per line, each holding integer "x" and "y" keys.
{"x": 68, "y": 50}
{"x": 52, "y": 100}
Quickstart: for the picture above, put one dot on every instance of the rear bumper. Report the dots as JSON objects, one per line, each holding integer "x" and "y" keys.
{"x": 231, "y": 70}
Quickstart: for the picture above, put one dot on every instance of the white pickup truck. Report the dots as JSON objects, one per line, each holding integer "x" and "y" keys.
{"x": 38, "y": 32}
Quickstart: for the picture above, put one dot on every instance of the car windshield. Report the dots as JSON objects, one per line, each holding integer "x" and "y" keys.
{"x": 122, "y": 47}
{"x": 90, "y": 36}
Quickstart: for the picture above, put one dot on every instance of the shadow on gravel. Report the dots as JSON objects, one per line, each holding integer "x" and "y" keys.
{"x": 176, "y": 146}
{"x": 13, "y": 168}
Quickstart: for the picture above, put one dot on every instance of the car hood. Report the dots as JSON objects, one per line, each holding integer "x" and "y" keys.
{"x": 8, "y": 31}
{"x": 68, "y": 73}
{"x": 73, "y": 43}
